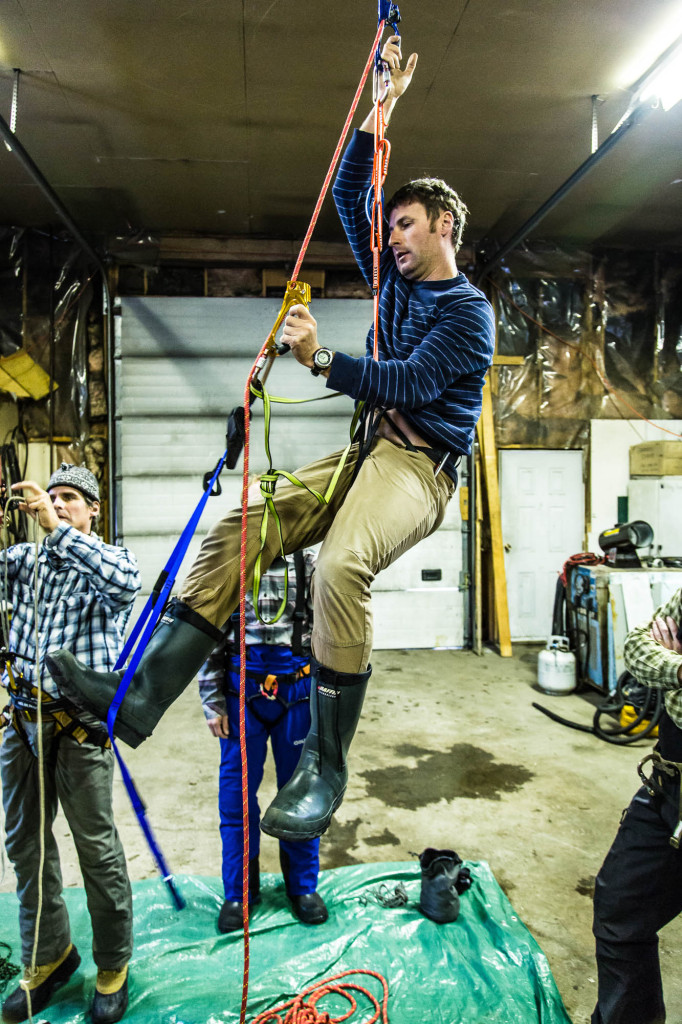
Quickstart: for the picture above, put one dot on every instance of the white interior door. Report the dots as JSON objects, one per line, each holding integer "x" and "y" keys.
{"x": 543, "y": 512}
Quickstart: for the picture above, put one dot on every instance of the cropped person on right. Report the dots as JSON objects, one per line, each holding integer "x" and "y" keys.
{"x": 639, "y": 886}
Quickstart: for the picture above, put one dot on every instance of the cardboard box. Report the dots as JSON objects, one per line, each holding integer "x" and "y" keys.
{"x": 656, "y": 458}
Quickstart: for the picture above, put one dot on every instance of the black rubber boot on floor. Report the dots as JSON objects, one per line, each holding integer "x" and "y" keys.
{"x": 309, "y": 907}
{"x": 440, "y": 890}
{"x": 177, "y": 649}
{"x": 303, "y": 807}
{"x": 231, "y": 917}
{"x": 42, "y": 986}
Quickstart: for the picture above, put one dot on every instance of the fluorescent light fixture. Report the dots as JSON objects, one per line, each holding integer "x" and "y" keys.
{"x": 663, "y": 82}
{"x": 661, "y": 85}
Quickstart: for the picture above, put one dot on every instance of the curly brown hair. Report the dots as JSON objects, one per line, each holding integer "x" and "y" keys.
{"x": 436, "y": 197}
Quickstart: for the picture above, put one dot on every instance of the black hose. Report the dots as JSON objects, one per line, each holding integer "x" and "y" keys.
{"x": 559, "y": 610}
{"x": 620, "y": 735}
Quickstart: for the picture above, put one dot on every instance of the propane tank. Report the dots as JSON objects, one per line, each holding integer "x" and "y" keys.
{"x": 556, "y": 667}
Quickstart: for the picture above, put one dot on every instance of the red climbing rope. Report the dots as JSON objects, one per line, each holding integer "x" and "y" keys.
{"x": 265, "y": 356}
{"x": 302, "y": 1009}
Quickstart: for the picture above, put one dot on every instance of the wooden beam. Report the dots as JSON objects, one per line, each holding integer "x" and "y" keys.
{"x": 221, "y": 250}
{"x": 259, "y": 251}
{"x": 508, "y": 360}
{"x": 486, "y": 439}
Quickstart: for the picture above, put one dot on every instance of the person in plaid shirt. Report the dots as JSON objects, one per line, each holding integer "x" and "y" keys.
{"x": 83, "y": 597}
{"x": 639, "y": 886}
{"x": 277, "y": 707}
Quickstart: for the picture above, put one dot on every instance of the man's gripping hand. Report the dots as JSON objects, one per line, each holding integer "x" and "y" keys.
{"x": 400, "y": 77}
{"x": 300, "y": 334}
{"x": 38, "y": 504}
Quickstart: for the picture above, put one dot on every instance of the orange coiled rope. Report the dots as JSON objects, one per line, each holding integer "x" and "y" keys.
{"x": 259, "y": 363}
{"x": 302, "y": 1009}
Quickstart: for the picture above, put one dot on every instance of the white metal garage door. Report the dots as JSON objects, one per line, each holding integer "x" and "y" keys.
{"x": 181, "y": 366}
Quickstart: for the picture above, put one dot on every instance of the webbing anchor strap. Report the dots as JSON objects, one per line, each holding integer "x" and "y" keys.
{"x": 268, "y": 483}
{"x": 150, "y": 615}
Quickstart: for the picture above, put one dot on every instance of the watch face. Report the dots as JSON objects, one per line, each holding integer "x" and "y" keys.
{"x": 322, "y": 358}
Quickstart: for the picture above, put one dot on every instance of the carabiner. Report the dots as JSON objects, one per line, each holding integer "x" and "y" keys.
{"x": 381, "y": 72}
{"x": 297, "y": 292}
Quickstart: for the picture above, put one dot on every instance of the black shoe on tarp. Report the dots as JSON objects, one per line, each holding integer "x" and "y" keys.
{"x": 443, "y": 879}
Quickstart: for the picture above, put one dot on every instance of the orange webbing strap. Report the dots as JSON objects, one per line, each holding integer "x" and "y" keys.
{"x": 265, "y": 355}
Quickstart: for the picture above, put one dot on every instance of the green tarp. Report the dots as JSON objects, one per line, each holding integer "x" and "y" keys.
{"x": 481, "y": 969}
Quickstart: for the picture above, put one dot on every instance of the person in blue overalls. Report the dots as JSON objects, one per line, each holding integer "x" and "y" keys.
{"x": 278, "y": 708}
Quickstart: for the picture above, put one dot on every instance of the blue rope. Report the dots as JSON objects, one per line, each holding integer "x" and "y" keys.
{"x": 150, "y": 615}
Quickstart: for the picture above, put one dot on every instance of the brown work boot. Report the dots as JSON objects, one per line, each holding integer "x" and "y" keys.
{"x": 111, "y": 995}
{"x": 38, "y": 986}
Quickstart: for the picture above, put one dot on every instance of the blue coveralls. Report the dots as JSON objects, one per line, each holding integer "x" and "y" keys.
{"x": 287, "y": 730}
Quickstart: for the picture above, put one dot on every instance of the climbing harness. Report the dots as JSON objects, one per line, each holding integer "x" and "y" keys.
{"x": 655, "y": 784}
{"x": 270, "y": 687}
{"x": 273, "y": 687}
{"x": 4, "y": 616}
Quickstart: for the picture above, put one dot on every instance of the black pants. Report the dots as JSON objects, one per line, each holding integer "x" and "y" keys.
{"x": 638, "y": 891}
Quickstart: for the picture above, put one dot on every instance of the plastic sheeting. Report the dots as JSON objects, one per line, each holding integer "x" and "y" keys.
{"x": 614, "y": 315}
{"x": 485, "y": 966}
{"x": 46, "y": 308}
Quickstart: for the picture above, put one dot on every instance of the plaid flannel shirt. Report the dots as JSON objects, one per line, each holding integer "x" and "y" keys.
{"x": 212, "y": 672}
{"x": 86, "y": 590}
{"x": 654, "y": 665}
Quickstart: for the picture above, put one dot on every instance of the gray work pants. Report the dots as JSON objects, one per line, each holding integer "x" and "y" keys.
{"x": 79, "y": 777}
{"x": 395, "y": 501}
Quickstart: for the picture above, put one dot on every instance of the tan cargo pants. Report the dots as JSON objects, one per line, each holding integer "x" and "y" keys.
{"x": 394, "y": 502}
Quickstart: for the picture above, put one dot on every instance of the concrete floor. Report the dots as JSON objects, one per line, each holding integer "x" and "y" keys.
{"x": 449, "y": 753}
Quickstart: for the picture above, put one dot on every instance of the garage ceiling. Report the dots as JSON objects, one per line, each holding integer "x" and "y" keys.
{"x": 220, "y": 116}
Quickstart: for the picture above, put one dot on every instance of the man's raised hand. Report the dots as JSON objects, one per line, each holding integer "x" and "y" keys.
{"x": 38, "y": 504}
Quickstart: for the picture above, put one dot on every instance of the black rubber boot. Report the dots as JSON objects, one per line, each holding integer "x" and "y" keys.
{"x": 303, "y": 807}
{"x": 309, "y": 907}
{"x": 231, "y": 916}
{"x": 442, "y": 884}
{"x": 177, "y": 649}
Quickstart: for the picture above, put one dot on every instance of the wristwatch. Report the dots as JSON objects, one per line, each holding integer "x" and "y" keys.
{"x": 322, "y": 360}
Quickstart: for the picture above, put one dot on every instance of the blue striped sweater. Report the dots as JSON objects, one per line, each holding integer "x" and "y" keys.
{"x": 436, "y": 337}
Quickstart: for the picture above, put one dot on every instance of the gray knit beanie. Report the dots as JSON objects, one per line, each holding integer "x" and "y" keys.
{"x": 75, "y": 476}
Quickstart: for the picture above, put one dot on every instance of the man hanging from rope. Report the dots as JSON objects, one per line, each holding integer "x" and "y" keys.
{"x": 436, "y": 339}
{"x": 82, "y": 598}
